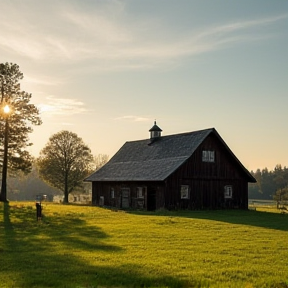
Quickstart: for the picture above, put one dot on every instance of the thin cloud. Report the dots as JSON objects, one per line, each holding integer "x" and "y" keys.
{"x": 240, "y": 25}
{"x": 61, "y": 106}
{"x": 133, "y": 118}
{"x": 42, "y": 81}
{"x": 106, "y": 41}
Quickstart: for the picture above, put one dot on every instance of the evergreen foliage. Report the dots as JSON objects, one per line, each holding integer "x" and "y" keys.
{"x": 270, "y": 184}
{"x": 18, "y": 124}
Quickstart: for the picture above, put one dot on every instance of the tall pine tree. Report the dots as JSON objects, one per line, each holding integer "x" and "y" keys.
{"x": 15, "y": 124}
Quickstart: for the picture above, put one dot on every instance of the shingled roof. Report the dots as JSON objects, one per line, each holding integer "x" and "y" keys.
{"x": 144, "y": 160}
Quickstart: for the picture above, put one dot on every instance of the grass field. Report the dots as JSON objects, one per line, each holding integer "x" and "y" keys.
{"x": 82, "y": 246}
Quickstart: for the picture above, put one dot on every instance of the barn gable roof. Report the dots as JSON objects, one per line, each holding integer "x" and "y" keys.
{"x": 144, "y": 160}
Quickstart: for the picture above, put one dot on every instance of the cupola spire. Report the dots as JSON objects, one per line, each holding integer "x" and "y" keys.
{"x": 155, "y": 131}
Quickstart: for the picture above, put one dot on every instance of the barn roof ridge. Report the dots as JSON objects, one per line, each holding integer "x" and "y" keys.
{"x": 175, "y": 134}
{"x": 143, "y": 160}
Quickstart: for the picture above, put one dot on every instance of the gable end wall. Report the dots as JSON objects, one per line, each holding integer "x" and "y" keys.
{"x": 207, "y": 180}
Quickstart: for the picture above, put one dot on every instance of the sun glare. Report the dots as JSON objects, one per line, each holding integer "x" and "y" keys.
{"x": 6, "y": 109}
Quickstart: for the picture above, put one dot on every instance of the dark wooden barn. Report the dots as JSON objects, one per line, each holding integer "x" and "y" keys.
{"x": 194, "y": 170}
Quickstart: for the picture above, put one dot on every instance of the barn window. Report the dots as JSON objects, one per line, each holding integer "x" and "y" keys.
{"x": 228, "y": 191}
{"x": 155, "y": 134}
{"x": 208, "y": 156}
{"x": 185, "y": 192}
{"x": 140, "y": 192}
{"x": 112, "y": 193}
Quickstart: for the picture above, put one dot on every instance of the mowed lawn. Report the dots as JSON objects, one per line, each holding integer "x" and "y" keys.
{"x": 84, "y": 246}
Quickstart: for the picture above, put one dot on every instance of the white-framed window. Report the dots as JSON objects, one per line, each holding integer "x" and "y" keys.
{"x": 184, "y": 192}
{"x": 208, "y": 156}
{"x": 112, "y": 193}
{"x": 228, "y": 191}
{"x": 140, "y": 192}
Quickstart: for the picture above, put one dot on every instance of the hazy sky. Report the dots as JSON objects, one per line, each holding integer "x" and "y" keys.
{"x": 106, "y": 69}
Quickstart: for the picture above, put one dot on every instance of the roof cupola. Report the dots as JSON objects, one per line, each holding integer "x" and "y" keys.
{"x": 155, "y": 131}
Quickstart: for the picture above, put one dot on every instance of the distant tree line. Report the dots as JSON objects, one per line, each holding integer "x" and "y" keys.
{"x": 270, "y": 185}
{"x": 26, "y": 186}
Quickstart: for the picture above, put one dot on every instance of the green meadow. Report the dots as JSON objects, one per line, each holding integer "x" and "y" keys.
{"x": 84, "y": 246}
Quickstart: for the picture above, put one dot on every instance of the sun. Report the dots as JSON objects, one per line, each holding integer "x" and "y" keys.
{"x": 6, "y": 109}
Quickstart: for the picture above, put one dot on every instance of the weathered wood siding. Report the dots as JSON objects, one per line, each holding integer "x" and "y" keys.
{"x": 207, "y": 180}
{"x": 103, "y": 189}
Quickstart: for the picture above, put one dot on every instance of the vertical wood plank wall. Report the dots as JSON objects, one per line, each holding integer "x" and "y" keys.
{"x": 205, "y": 179}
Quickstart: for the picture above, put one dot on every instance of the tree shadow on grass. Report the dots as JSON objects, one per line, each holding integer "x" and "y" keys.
{"x": 31, "y": 254}
{"x": 268, "y": 220}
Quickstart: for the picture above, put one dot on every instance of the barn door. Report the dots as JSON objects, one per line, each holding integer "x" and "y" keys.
{"x": 151, "y": 199}
{"x": 125, "y": 192}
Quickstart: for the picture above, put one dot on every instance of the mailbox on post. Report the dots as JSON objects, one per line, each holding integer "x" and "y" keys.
{"x": 38, "y": 207}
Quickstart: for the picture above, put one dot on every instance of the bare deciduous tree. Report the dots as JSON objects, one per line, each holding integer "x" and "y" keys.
{"x": 100, "y": 160}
